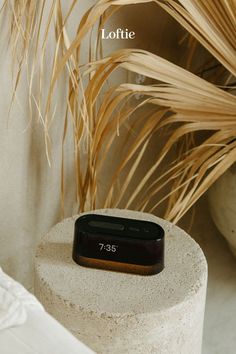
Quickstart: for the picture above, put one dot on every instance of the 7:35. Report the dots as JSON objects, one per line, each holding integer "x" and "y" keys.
{"x": 108, "y": 247}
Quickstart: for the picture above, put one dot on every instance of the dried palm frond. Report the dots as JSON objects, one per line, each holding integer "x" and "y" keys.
{"x": 198, "y": 106}
{"x": 180, "y": 99}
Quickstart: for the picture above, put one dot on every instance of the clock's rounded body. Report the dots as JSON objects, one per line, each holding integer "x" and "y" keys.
{"x": 114, "y": 243}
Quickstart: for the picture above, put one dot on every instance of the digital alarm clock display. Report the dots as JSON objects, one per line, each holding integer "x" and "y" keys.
{"x": 132, "y": 250}
{"x": 121, "y": 244}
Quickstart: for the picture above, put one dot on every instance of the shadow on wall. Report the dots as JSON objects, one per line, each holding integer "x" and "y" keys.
{"x": 154, "y": 29}
{"x": 158, "y": 33}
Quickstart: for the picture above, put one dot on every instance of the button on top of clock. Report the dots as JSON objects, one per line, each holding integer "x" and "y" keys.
{"x": 135, "y": 229}
{"x": 106, "y": 225}
{"x": 96, "y": 224}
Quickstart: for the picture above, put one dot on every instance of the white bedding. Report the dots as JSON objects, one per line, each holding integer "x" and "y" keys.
{"x": 40, "y": 334}
{"x": 26, "y": 328}
{"x": 15, "y": 300}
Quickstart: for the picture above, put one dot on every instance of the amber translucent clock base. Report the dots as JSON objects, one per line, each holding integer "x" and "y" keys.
{"x": 120, "y": 267}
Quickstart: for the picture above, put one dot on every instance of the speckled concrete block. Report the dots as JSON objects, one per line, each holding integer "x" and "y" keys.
{"x": 120, "y": 313}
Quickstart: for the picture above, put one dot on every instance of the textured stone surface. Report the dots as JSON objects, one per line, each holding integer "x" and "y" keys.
{"x": 124, "y": 313}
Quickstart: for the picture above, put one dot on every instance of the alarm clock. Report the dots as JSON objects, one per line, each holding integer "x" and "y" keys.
{"x": 119, "y": 244}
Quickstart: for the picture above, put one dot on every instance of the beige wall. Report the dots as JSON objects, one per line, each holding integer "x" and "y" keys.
{"x": 29, "y": 189}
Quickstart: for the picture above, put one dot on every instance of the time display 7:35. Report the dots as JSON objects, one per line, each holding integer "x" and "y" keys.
{"x": 108, "y": 247}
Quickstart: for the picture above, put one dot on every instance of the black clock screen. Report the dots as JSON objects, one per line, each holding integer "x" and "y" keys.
{"x": 119, "y": 249}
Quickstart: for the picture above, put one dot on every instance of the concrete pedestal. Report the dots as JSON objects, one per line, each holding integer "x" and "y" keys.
{"x": 120, "y": 313}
